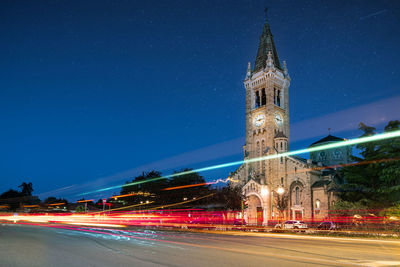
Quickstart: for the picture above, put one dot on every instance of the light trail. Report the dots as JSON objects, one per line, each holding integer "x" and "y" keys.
{"x": 194, "y": 185}
{"x": 350, "y": 142}
{"x": 183, "y": 202}
{"x": 186, "y": 186}
{"x": 85, "y": 201}
{"x": 57, "y": 204}
{"x": 125, "y": 195}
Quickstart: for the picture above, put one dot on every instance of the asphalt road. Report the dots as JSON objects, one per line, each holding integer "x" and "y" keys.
{"x": 29, "y": 245}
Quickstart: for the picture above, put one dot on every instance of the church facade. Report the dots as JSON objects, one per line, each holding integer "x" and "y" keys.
{"x": 287, "y": 187}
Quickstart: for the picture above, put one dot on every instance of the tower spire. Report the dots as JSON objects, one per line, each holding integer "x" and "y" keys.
{"x": 265, "y": 46}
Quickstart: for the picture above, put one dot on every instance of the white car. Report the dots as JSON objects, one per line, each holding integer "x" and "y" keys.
{"x": 292, "y": 225}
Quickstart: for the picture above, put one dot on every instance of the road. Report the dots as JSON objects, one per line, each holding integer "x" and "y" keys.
{"x": 57, "y": 245}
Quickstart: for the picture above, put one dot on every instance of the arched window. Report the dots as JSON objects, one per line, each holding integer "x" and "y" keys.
{"x": 281, "y": 181}
{"x": 258, "y": 155}
{"x": 297, "y": 190}
{"x": 274, "y": 96}
{"x": 263, "y": 97}
{"x": 278, "y": 100}
{"x": 262, "y": 153}
{"x": 337, "y": 154}
{"x": 317, "y": 204}
{"x": 257, "y": 104}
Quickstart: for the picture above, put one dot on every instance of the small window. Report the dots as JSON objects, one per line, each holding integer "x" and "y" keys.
{"x": 317, "y": 204}
{"x": 263, "y": 97}
{"x": 257, "y": 104}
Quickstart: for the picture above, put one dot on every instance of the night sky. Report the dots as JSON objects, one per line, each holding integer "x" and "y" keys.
{"x": 94, "y": 92}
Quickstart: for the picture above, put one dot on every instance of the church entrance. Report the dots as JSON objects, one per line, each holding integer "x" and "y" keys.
{"x": 297, "y": 213}
{"x": 254, "y": 211}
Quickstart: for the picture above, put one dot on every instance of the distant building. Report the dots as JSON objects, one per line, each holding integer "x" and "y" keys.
{"x": 331, "y": 157}
{"x": 308, "y": 187}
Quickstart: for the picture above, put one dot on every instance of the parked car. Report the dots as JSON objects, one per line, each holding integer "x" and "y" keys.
{"x": 292, "y": 224}
{"x": 239, "y": 222}
{"x": 327, "y": 226}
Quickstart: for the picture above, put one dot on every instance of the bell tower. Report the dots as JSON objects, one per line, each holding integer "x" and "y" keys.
{"x": 267, "y": 112}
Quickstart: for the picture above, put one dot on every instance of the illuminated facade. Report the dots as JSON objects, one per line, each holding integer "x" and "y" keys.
{"x": 306, "y": 188}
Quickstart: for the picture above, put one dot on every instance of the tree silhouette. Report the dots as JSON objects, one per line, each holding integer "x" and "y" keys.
{"x": 26, "y": 189}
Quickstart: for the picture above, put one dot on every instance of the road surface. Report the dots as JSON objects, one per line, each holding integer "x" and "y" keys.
{"x": 56, "y": 245}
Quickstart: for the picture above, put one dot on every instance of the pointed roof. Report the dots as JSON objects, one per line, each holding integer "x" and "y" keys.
{"x": 329, "y": 138}
{"x": 266, "y": 45}
{"x": 280, "y": 134}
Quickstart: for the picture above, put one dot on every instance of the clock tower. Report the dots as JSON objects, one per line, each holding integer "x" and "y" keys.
{"x": 282, "y": 186}
{"x": 267, "y": 112}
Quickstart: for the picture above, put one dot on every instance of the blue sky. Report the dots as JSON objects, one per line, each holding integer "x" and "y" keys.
{"x": 94, "y": 89}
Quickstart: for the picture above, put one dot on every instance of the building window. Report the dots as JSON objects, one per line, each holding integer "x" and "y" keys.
{"x": 263, "y": 97}
{"x": 278, "y": 98}
{"x": 322, "y": 156}
{"x": 297, "y": 190}
{"x": 258, "y": 155}
{"x": 257, "y": 104}
{"x": 317, "y": 204}
{"x": 282, "y": 181}
{"x": 263, "y": 151}
{"x": 337, "y": 154}
{"x": 274, "y": 96}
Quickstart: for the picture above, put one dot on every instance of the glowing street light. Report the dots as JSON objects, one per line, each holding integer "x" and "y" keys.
{"x": 280, "y": 190}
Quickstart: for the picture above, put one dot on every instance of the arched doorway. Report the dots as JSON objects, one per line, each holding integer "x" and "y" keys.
{"x": 254, "y": 210}
{"x": 296, "y": 200}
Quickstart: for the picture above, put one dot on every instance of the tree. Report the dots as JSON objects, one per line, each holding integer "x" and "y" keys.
{"x": 152, "y": 186}
{"x": 282, "y": 202}
{"x": 183, "y": 178}
{"x": 12, "y": 198}
{"x": 53, "y": 200}
{"x": 228, "y": 197}
{"x": 146, "y": 186}
{"x": 15, "y": 198}
{"x": 375, "y": 181}
{"x": 26, "y": 189}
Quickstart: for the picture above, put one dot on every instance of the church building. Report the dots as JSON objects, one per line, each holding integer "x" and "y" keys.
{"x": 287, "y": 187}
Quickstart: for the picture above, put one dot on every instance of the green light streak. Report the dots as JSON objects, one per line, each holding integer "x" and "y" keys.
{"x": 349, "y": 142}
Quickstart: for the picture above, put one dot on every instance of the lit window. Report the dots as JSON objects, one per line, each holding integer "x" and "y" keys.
{"x": 317, "y": 204}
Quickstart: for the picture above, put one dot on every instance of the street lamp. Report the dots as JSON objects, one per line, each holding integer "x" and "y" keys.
{"x": 280, "y": 205}
{"x": 280, "y": 190}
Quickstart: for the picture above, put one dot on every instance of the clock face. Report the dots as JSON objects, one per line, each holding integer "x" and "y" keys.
{"x": 278, "y": 119}
{"x": 259, "y": 120}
